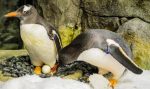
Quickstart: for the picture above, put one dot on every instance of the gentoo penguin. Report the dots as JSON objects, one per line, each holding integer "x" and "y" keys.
{"x": 102, "y": 48}
{"x": 39, "y": 37}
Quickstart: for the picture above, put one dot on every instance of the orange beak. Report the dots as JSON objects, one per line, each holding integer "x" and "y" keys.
{"x": 11, "y": 14}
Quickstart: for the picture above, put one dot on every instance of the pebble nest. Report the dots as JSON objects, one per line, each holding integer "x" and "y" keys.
{"x": 21, "y": 65}
{"x": 16, "y": 66}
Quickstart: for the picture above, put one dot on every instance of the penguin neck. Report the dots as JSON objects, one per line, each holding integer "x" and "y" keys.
{"x": 29, "y": 19}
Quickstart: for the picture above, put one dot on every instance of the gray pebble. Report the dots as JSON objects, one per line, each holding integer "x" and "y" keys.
{"x": 14, "y": 75}
{"x": 6, "y": 74}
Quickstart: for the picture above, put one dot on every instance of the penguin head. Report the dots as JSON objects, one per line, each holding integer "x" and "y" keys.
{"x": 25, "y": 12}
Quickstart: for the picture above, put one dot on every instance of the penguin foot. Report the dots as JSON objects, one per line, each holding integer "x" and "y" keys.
{"x": 113, "y": 83}
{"x": 54, "y": 68}
{"x": 37, "y": 70}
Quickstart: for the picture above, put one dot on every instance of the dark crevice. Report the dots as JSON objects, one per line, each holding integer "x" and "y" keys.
{"x": 84, "y": 20}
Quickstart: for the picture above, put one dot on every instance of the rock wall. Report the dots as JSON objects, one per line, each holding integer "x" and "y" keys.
{"x": 94, "y": 13}
{"x": 60, "y": 12}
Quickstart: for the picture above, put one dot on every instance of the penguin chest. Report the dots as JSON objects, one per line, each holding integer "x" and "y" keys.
{"x": 103, "y": 61}
{"x": 36, "y": 40}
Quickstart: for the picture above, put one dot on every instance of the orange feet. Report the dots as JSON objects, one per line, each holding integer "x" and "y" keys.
{"x": 53, "y": 69}
{"x": 37, "y": 70}
{"x": 113, "y": 83}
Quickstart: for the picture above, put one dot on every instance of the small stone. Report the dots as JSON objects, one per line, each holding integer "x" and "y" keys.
{"x": 1, "y": 66}
{"x": 14, "y": 75}
{"x": 14, "y": 71}
{"x": 27, "y": 64}
{"x": 45, "y": 75}
{"x": 6, "y": 74}
{"x": 6, "y": 69}
{"x": 24, "y": 66}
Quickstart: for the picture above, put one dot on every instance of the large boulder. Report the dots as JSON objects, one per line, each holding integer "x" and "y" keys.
{"x": 137, "y": 34}
{"x": 61, "y": 12}
{"x": 94, "y": 22}
{"x": 120, "y": 8}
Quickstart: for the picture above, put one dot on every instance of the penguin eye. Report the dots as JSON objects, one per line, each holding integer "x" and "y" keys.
{"x": 24, "y": 12}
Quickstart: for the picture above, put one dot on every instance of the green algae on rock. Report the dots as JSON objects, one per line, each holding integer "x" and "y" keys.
{"x": 68, "y": 33}
{"x": 9, "y": 53}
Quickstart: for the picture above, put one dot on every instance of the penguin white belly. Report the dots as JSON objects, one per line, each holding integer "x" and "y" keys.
{"x": 97, "y": 57}
{"x": 36, "y": 40}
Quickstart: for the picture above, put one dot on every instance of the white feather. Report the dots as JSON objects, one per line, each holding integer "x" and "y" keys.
{"x": 36, "y": 40}
{"x": 54, "y": 32}
{"x": 112, "y": 42}
{"x": 102, "y": 60}
{"x": 26, "y": 8}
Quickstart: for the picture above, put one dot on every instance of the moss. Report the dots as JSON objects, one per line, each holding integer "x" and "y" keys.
{"x": 9, "y": 53}
{"x": 75, "y": 76}
{"x": 7, "y": 46}
{"x": 68, "y": 33}
{"x": 4, "y": 78}
{"x": 141, "y": 50}
{"x": 142, "y": 53}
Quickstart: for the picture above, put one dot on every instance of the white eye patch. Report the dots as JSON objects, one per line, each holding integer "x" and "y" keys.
{"x": 110, "y": 42}
{"x": 26, "y": 8}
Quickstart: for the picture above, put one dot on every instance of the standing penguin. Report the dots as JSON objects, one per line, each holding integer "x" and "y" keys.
{"x": 39, "y": 37}
{"x": 102, "y": 48}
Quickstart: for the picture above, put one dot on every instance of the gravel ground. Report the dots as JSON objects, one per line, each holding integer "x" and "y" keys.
{"x": 16, "y": 66}
{"x": 21, "y": 65}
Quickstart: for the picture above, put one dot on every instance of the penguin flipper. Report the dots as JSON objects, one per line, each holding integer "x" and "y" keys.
{"x": 119, "y": 54}
{"x": 57, "y": 39}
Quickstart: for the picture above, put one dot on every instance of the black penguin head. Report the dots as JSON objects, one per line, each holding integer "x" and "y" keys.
{"x": 25, "y": 12}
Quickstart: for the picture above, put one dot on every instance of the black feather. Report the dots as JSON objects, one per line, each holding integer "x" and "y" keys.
{"x": 117, "y": 54}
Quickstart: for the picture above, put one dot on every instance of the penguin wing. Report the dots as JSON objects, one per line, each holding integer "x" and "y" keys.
{"x": 52, "y": 32}
{"x": 119, "y": 54}
{"x": 57, "y": 40}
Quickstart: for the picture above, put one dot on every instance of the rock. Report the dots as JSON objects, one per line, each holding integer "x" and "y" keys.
{"x": 95, "y": 13}
{"x": 73, "y": 67}
{"x": 137, "y": 33}
{"x": 110, "y": 23}
{"x": 15, "y": 67}
{"x": 60, "y": 12}
{"x": 18, "y": 66}
{"x": 118, "y": 8}
{"x": 99, "y": 82}
{"x": 74, "y": 76}
{"x": 67, "y": 34}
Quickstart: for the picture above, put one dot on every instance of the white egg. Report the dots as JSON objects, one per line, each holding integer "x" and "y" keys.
{"x": 46, "y": 69}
